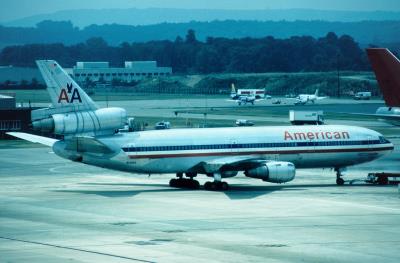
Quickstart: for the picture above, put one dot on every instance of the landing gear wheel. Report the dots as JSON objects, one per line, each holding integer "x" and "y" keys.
{"x": 383, "y": 180}
{"x": 207, "y": 185}
{"x": 339, "y": 181}
{"x": 173, "y": 183}
{"x": 224, "y": 186}
{"x": 184, "y": 183}
{"x": 193, "y": 184}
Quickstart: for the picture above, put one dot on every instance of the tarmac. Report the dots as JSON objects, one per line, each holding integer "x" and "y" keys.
{"x": 54, "y": 210}
{"x": 165, "y": 109}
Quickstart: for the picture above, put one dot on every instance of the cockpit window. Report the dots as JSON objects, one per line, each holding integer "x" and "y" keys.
{"x": 383, "y": 140}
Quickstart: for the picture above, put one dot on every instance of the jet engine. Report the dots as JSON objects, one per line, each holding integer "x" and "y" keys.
{"x": 106, "y": 119}
{"x": 273, "y": 172}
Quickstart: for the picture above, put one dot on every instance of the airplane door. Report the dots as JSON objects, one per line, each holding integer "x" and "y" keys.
{"x": 233, "y": 145}
{"x": 132, "y": 152}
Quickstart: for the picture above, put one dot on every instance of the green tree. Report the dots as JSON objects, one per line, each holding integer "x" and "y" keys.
{"x": 191, "y": 36}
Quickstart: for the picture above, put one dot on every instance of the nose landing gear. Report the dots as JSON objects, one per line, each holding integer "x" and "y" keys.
{"x": 339, "y": 179}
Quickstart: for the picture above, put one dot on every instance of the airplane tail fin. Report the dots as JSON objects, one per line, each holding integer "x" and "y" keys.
{"x": 233, "y": 89}
{"x": 63, "y": 90}
{"x": 316, "y": 92}
{"x": 387, "y": 71}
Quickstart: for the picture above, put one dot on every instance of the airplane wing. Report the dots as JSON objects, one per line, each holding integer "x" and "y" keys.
{"x": 80, "y": 144}
{"x": 392, "y": 117}
{"x": 374, "y": 115}
{"x": 321, "y": 98}
{"x": 34, "y": 138}
{"x": 233, "y": 163}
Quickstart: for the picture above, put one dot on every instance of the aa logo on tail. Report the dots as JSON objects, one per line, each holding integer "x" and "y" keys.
{"x": 69, "y": 95}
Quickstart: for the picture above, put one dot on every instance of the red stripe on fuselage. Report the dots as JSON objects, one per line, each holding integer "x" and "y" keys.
{"x": 175, "y": 155}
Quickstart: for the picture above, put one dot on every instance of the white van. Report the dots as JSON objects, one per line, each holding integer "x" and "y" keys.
{"x": 364, "y": 95}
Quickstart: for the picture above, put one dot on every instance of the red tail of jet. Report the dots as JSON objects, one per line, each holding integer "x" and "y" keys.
{"x": 387, "y": 71}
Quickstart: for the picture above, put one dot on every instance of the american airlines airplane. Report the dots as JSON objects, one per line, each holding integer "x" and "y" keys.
{"x": 303, "y": 99}
{"x": 387, "y": 71}
{"x": 271, "y": 154}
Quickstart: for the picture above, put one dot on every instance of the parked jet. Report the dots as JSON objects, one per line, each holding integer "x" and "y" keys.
{"x": 244, "y": 96}
{"x": 257, "y": 93}
{"x": 271, "y": 154}
{"x": 387, "y": 71}
{"x": 303, "y": 99}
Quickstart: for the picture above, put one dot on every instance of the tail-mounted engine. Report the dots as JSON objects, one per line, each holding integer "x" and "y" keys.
{"x": 105, "y": 120}
{"x": 273, "y": 172}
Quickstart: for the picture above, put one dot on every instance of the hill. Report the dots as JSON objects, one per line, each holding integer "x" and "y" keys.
{"x": 149, "y": 16}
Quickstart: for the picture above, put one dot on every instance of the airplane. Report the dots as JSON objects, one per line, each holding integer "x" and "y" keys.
{"x": 303, "y": 99}
{"x": 386, "y": 67}
{"x": 91, "y": 136}
{"x": 246, "y": 99}
{"x": 244, "y": 96}
{"x": 257, "y": 93}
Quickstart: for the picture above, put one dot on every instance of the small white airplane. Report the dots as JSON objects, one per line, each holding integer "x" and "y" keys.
{"x": 272, "y": 154}
{"x": 246, "y": 99}
{"x": 303, "y": 99}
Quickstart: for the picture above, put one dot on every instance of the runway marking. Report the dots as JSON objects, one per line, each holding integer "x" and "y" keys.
{"x": 75, "y": 249}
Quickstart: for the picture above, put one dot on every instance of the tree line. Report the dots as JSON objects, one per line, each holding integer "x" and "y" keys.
{"x": 188, "y": 55}
{"x": 47, "y": 31}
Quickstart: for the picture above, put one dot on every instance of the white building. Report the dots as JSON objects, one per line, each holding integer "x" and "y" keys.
{"x": 133, "y": 70}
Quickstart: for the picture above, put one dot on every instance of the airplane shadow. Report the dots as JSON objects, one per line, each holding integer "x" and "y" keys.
{"x": 120, "y": 193}
{"x": 122, "y": 184}
{"x": 235, "y": 192}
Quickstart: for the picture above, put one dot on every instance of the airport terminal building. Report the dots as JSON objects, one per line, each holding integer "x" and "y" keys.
{"x": 102, "y": 72}
{"x": 92, "y": 71}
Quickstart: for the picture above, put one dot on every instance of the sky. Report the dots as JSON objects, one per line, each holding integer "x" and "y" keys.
{"x": 15, "y": 9}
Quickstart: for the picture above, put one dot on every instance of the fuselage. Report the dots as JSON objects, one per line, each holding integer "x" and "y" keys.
{"x": 389, "y": 114}
{"x": 307, "y": 97}
{"x": 179, "y": 150}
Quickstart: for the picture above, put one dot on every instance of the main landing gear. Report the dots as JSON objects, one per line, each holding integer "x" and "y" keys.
{"x": 339, "y": 179}
{"x": 190, "y": 183}
{"x": 217, "y": 185}
{"x": 181, "y": 182}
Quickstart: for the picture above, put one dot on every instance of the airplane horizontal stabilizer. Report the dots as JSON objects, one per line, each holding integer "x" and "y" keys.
{"x": 34, "y": 138}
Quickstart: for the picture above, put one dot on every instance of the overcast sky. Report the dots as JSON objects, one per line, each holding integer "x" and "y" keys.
{"x": 15, "y": 9}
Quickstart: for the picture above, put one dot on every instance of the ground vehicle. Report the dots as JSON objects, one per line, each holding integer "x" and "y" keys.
{"x": 162, "y": 125}
{"x": 306, "y": 117}
{"x": 364, "y": 95}
{"x": 244, "y": 123}
{"x": 383, "y": 178}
